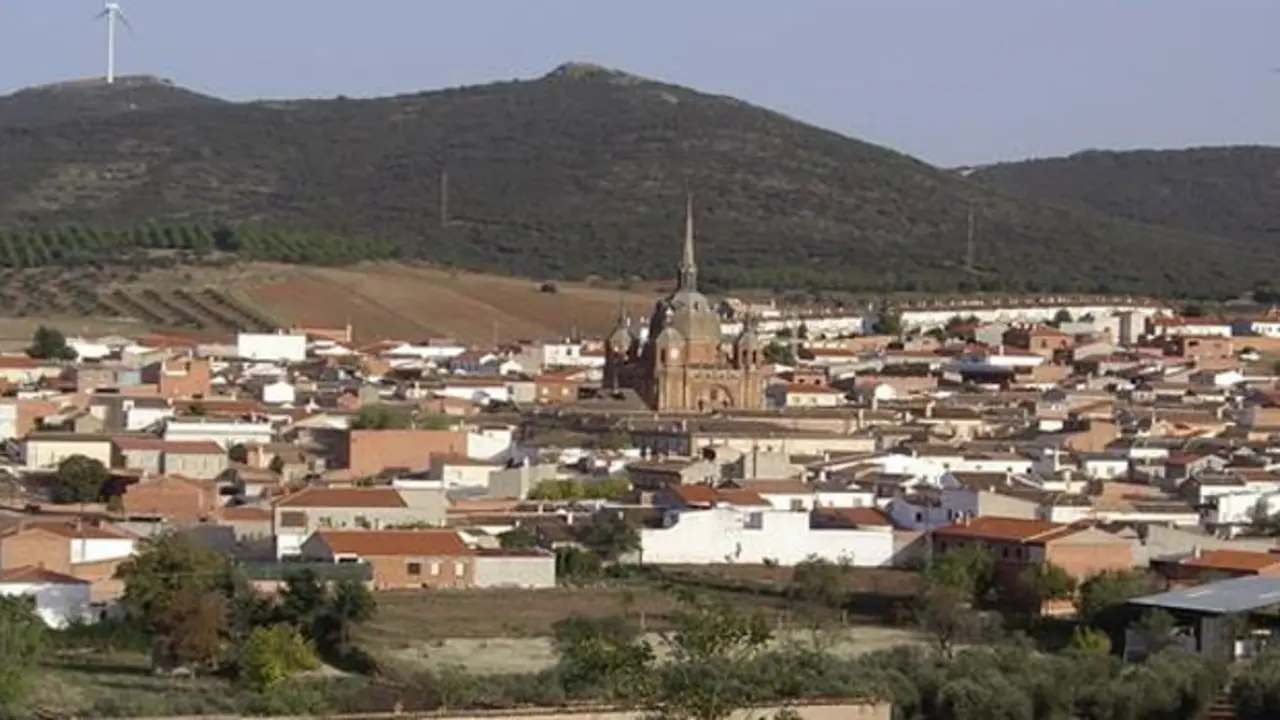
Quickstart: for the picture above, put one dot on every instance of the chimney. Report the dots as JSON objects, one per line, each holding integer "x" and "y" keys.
{"x": 928, "y": 409}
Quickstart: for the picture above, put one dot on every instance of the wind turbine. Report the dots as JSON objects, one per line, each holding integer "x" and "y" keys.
{"x": 111, "y": 12}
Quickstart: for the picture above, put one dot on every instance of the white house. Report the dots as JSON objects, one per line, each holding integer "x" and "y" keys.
{"x": 225, "y": 433}
{"x": 273, "y": 347}
{"x": 798, "y": 395}
{"x": 60, "y": 599}
{"x": 755, "y": 535}
{"x": 280, "y": 392}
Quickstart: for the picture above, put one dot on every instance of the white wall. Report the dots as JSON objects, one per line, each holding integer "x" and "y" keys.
{"x": 99, "y": 549}
{"x": 57, "y": 604}
{"x": 737, "y": 535}
{"x": 272, "y": 346}
{"x": 278, "y": 393}
{"x": 225, "y": 434}
{"x": 490, "y": 443}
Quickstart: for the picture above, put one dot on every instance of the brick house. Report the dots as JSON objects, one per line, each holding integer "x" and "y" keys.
{"x": 180, "y": 499}
{"x": 369, "y": 452}
{"x": 1082, "y": 550}
{"x": 1202, "y": 347}
{"x": 399, "y": 558}
{"x": 181, "y": 377}
{"x": 297, "y": 516}
{"x": 1209, "y": 565}
{"x": 85, "y": 550}
{"x": 432, "y": 559}
{"x": 1042, "y": 340}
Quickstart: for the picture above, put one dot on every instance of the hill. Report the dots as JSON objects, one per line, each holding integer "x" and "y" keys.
{"x": 80, "y": 100}
{"x": 580, "y": 172}
{"x": 1226, "y": 191}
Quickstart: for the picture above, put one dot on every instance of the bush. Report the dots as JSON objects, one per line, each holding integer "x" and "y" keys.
{"x": 274, "y": 654}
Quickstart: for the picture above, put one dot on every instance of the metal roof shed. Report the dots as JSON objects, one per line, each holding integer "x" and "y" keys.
{"x": 1205, "y": 613}
{"x": 1225, "y": 597}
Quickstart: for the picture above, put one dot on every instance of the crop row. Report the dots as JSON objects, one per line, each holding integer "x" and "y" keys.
{"x": 75, "y": 245}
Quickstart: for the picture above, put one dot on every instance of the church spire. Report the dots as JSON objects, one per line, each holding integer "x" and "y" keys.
{"x": 688, "y": 280}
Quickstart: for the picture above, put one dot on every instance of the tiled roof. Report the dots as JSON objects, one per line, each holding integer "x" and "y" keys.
{"x": 67, "y": 528}
{"x": 343, "y": 498}
{"x": 852, "y": 517}
{"x": 33, "y": 574}
{"x": 1237, "y": 560}
{"x": 1006, "y": 529}
{"x": 696, "y": 495}
{"x": 374, "y": 543}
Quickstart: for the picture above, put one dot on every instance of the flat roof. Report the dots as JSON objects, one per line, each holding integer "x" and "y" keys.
{"x": 1224, "y": 597}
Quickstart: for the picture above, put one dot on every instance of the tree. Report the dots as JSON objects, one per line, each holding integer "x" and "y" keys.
{"x": 197, "y": 408}
{"x": 22, "y": 636}
{"x": 1062, "y": 316}
{"x": 1110, "y": 589}
{"x": 1255, "y": 694}
{"x": 165, "y": 566}
{"x": 191, "y": 628}
{"x": 1044, "y": 582}
{"x": 887, "y": 322}
{"x": 946, "y": 613}
{"x": 238, "y": 453}
{"x": 779, "y": 354}
{"x": 819, "y": 581}
{"x": 517, "y": 539}
{"x": 600, "y": 657}
{"x": 1156, "y": 627}
{"x": 611, "y": 536}
{"x": 50, "y": 344}
{"x": 325, "y": 614}
{"x": 1089, "y": 640}
{"x": 381, "y": 417}
{"x": 78, "y": 479}
{"x": 970, "y": 570}
{"x": 274, "y": 654}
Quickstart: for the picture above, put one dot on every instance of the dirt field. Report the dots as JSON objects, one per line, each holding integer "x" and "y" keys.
{"x": 398, "y": 301}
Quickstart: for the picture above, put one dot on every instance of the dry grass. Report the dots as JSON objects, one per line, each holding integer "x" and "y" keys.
{"x": 398, "y": 301}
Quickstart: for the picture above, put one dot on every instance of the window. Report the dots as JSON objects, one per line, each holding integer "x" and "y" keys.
{"x": 797, "y": 505}
{"x": 348, "y": 560}
{"x": 754, "y": 521}
{"x": 435, "y": 568}
{"x": 459, "y": 569}
{"x": 413, "y": 569}
{"x": 293, "y": 519}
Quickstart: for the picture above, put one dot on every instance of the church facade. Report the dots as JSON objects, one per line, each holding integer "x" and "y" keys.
{"x": 682, "y": 364}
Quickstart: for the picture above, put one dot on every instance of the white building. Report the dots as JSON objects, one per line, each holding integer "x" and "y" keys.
{"x": 60, "y": 599}
{"x": 280, "y": 392}
{"x": 273, "y": 347}
{"x": 225, "y": 433}
{"x": 755, "y": 535}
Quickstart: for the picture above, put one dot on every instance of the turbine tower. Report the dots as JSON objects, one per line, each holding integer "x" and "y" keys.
{"x": 111, "y": 12}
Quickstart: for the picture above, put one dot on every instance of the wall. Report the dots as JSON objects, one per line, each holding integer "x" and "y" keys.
{"x": 201, "y": 466}
{"x": 93, "y": 550}
{"x": 369, "y": 452}
{"x": 735, "y": 535}
{"x": 271, "y": 346}
{"x": 515, "y": 571}
{"x": 48, "y": 453}
{"x": 225, "y": 434}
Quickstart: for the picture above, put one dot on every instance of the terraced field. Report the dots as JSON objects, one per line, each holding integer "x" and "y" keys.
{"x": 103, "y": 294}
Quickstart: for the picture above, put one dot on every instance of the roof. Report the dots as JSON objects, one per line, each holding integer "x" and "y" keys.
{"x": 130, "y": 443}
{"x": 33, "y": 574}
{"x": 1235, "y": 560}
{"x": 1224, "y": 597}
{"x": 374, "y": 543}
{"x": 1007, "y": 529}
{"x": 705, "y": 495}
{"x": 318, "y": 497}
{"x": 70, "y": 529}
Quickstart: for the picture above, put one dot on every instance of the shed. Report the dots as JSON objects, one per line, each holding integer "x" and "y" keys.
{"x": 1229, "y": 619}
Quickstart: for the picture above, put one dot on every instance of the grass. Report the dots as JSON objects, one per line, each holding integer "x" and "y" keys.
{"x": 122, "y": 685}
{"x": 499, "y": 631}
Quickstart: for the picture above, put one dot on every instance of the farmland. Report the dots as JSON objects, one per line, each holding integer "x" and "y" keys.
{"x": 378, "y": 300}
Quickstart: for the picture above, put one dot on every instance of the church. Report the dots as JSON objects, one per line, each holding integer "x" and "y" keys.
{"x": 682, "y": 364}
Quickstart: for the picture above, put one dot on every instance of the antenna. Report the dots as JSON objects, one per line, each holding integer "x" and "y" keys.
{"x": 111, "y": 12}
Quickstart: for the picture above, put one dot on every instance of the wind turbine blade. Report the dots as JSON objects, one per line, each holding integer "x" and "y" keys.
{"x": 124, "y": 21}
{"x": 102, "y": 14}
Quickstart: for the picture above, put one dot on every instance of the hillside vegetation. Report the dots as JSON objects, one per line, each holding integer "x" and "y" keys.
{"x": 1231, "y": 192}
{"x": 580, "y": 172}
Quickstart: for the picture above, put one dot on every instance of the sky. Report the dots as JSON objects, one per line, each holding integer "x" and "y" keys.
{"x": 954, "y": 82}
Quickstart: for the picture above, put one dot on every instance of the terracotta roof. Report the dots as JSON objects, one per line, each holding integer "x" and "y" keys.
{"x": 69, "y": 529}
{"x": 128, "y": 443}
{"x": 33, "y": 574}
{"x": 21, "y": 362}
{"x": 768, "y": 487}
{"x": 1006, "y": 529}
{"x": 1237, "y": 560}
{"x": 697, "y": 495}
{"x": 853, "y": 517}
{"x": 244, "y": 513}
{"x": 343, "y": 498}
{"x": 375, "y": 543}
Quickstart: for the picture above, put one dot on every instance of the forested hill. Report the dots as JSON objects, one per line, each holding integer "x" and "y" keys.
{"x": 1227, "y": 191}
{"x": 582, "y": 171}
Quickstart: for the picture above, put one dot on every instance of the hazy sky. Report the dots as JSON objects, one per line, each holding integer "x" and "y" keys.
{"x": 952, "y": 81}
